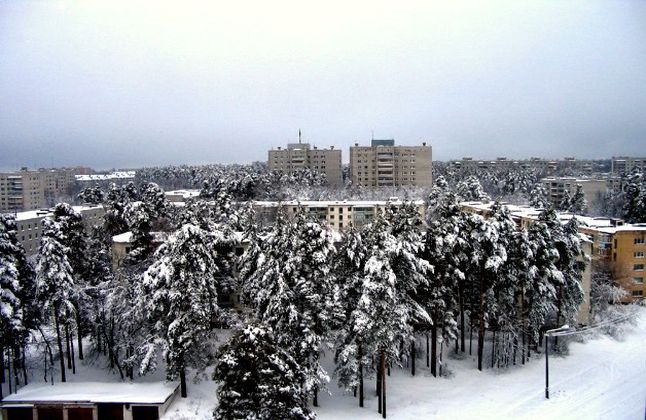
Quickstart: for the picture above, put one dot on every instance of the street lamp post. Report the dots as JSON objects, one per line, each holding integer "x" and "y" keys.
{"x": 549, "y": 333}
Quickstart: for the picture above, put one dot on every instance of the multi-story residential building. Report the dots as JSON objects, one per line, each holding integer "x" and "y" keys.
{"x": 338, "y": 215}
{"x": 547, "y": 166}
{"x": 593, "y": 189}
{"x": 28, "y": 190}
{"x": 29, "y": 226}
{"x": 625, "y": 164}
{"x": 302, "y": 155}
{"x": 382, "y": 164}
{"x": 22, "y": 190}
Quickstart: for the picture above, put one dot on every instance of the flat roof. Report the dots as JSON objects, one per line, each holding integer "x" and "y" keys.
{"x": 94, "y": 392}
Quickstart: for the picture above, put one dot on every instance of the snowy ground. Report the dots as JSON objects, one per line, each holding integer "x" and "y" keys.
{"x": 601, "y": 379}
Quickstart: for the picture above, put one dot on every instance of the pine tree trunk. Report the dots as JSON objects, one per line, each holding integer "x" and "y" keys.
{"x": 315, "y": 399}
{"x": 67, "y": 345}
{"x": 461, "y": 299}
{"x": 428, "y": 356}
{"x": 412, "y": 356}
{"x": 2, "y": 368}
{"x": 182, "y": 379}
{"x": 360, "y": 357}
{"x": 434, "y": 351}
{"x": 481, "y": 327}
{"x": 24, "y": 365}
{"x": 383, "y": 385}
{"x": 59, "y": 340}
{"x": 79, "y": 335}
{"x": 379, "y": 374}
{"x": 72, "y": 350}
{"x": 470, "y": 333}
{"x": 493, "y": 350}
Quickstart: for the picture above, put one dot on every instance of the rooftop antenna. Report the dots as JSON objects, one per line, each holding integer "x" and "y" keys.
{"x": 299, "y": 136}
{"x": 373, "y": 134}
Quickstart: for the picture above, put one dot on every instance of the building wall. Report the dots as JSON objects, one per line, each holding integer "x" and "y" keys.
{"x": 593, "y": 189}
{"x": 625, "y": 164}
{"x": 628, "y": 262}
{"x": 391, "y": 166}
{"x": 301, "y": 155}
{"x": 29, "y": 225}
{"x": 338, "y": 215}
{"x": 27, "y": 190}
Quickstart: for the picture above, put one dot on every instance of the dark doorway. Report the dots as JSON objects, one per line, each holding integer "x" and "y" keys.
{"x": 79, "y": 413}
{"x": 16, "y": 413}
{"x": 110, "y": 411}
{"x": 50, "y": 413}
{"x": 145, "y": 413}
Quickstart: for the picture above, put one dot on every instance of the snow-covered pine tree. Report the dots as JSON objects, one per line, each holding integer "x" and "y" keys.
{"x": 353, "y": 363}
{"x": 578, "y": 204}
{"x": 291, "y": 286}
{"x": 259, "y": 378}
{"x": 71, "y": 234}
{"x": 13, "y": 261}
{"x": 179, "y": 297}
{"x": 503, "y": 296}
{"x": 541, "y": 292}
{"x": 410, "y": 265}
{"x": 470, "y": 189}
{"x": 12, "y": 329}
{"x": 444, "y": 249}
{"x": 487, "y": 260}
{"x": 91, "y": 195}
{"x": 566, "y": 202}
{"x": 634, "y": 210}
{"x": 55, "y": 281}
{"x": 538, "y": 197}
{"x": 571, "y": 263}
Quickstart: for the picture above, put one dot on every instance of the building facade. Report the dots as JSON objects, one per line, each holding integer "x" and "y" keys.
{"x": 301, "y": 155}
{"x": 338, "y": 215}
{"x": 382, "y": 164}
{"x": 621, "y": 165}
{"x": 29, "y": 224}
{"x": 593, "y": 189}
{"x": 27, "y": 190}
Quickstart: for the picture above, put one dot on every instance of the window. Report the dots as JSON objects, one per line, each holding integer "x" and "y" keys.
{"x": 637, "y": 241}
{"x": 638, "y": 280}
{"x": 638, "y": 293}
{"x": 340, "y": 225}
{"x": 638, "y": 267}
{"x": 331, "y": 217}
{"x": 639, "y": 254}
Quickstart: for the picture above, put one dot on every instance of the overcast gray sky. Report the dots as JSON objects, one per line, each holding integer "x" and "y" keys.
{"x": 122, "y": 84}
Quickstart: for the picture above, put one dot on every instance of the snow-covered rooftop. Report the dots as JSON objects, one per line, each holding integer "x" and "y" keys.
{"x": 103, "y": 177}
{"x": 33, "y": 214}
{"x": 311, "y": 203}
{"x": 126, "y": 237}
{"x": 601, "y": 224}
{"x": 184, "y": 193}
{"x": 95, "y": 392}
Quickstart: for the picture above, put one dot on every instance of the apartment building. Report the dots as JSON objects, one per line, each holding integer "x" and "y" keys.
{"x": 621, "y": 165}
{"x": 29, "y": 226}
{"x": 382, "y": 164}
{"x": 28, "y": 190}
{"x": 338, "y": 215}
{"x": 302, "y": 155}
{"x": 22, "y": 190}
{"x": 593, "y": 189}
{"x": 547, "y": 166}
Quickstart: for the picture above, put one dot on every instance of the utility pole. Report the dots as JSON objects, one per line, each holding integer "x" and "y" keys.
{"x": 548, "y": 334}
